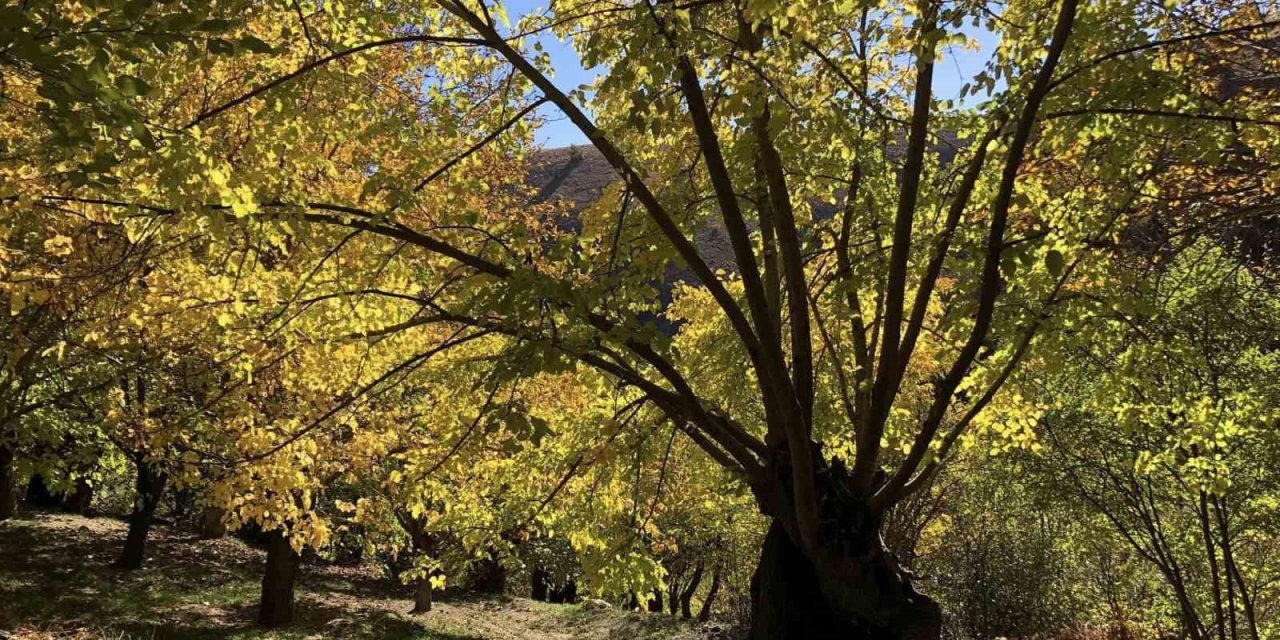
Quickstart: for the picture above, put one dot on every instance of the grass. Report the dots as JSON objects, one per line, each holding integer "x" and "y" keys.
{"x": 56, "y": 581}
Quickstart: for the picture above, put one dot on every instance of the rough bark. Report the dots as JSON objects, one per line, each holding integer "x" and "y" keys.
{"x": 278, "y": 579}
{"x": 149, "y": 485}
{"x": 844, "y": 585}
{"x": 8, "y": 485}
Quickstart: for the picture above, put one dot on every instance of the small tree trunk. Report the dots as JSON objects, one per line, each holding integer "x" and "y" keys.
{"x": 655, "y": 605}
{"x": 79, "y": 500}
{"x": 704, "y": 614}
{"x": 686, "y": 596}
{"x": 540, "y": 585}
{"x": 566, "y": 593}
{"x": 490, "y": 577}
{"x": 149, "y": 487}
{"x": 212, "y": 526}
{"x": 8, "y": 484}
{"x": 276, "y": 607}
{"x": 424, "y": 544}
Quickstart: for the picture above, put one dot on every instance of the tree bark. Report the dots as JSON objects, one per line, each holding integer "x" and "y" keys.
{"x": 149, "y": 486}
{"x": 276, "y": 607}
{"x": 704, "y": 613}
{"x": 8, "y": 485}
{"x": 857, "y": 590}
{"x": 421, "y": 596}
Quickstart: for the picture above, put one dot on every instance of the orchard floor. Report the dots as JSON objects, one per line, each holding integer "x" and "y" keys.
{"x": 56, "y": 581}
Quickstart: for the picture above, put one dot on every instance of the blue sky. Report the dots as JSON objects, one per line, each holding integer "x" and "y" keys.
{"x": 956, "y": 68}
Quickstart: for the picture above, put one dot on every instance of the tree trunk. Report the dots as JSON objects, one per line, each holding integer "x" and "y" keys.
{"x": 857, "y": 590}
{"x": 79, "y": 500}
{"x": 655, "y": 605}
{"x": 490, "y": 577}
{"x": 212, "y": 526}
{"x": 8, "y": 485}
{"x": 149, "y": 486}
{"x": 421, "y": 596}
{"x": 540, "y": 585}
{"x": 686, "y": 597}
{"x": 276, "y": 607}
{"x": 566, "y": 593}
{"x": 704, "y": 614}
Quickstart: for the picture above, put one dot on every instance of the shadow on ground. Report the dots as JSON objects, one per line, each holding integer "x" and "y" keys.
{"x": 56, "y": 574}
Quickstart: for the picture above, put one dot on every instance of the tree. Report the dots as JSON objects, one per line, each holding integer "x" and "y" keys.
{"x": 957, "y": 251}
{"x": 1167, "y": 431}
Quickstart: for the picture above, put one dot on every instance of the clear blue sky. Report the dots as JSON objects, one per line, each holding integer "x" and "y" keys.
{"x": 957, "y": 67}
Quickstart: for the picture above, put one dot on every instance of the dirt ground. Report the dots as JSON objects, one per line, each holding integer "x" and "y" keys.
{"x": 56, "y": 581}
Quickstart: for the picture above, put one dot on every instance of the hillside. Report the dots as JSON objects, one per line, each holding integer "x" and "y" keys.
{"x": 56, "y": 582}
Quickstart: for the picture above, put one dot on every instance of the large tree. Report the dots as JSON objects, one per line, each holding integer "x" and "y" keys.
{"x": 893, "y": 255}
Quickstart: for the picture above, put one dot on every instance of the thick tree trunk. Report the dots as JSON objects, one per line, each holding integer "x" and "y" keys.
{"x": 8, "y": 485}
{"x": 704, "y": 614}
{"x": 149, "y": 486}
{"x": 79, "y": 500}
{"x": 212, "y": 526}
{"x": 421, "y": 596}
{"x": 276, "y": 607}
{"x": 856, "y": 591}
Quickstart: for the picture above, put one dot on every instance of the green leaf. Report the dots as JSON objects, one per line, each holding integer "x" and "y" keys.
{"x": 250, "y": 43}
{"x": 132, "y": 86}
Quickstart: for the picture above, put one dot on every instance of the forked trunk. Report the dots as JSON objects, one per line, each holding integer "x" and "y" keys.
{"x": 276, "y": 608}
{"x": 421, "y": 596}
{"x": 856, "y": 594}
{"x": 8, "y": 484}
{"x": 149, "y": 486}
